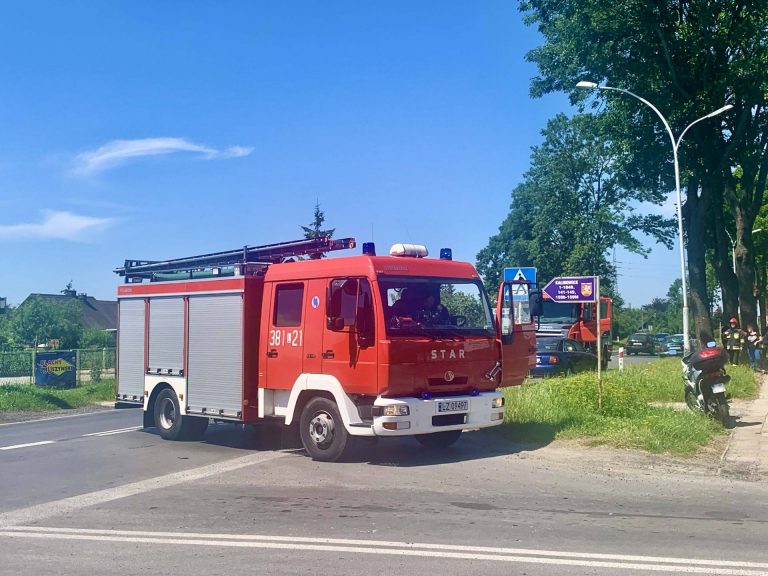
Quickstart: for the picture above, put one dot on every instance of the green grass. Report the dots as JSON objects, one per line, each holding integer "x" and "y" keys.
{"x": 23, "y": 397}
{"x": 541, "y": 410}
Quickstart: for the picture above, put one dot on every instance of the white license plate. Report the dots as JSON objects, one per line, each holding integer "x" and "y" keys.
{"x": 637, "y": 343}
{"x": 453, "y": 406}
{"x": 718, "y": 388}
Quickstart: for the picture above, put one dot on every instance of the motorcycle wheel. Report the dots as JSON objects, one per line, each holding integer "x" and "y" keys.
{"x": 723, "y": 414}
{"x": 691, "y": 400}
{"x": 718, "y": 409}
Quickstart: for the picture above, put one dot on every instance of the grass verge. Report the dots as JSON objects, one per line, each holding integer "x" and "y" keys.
{"x": 27, "y": 397}
{"x": 542, "y": 410}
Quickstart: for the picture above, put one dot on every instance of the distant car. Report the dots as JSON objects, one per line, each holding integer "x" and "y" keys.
{"x": 672, "y": 345}
{"x": 562, "y": 356}
{"x": 640, "y": 342}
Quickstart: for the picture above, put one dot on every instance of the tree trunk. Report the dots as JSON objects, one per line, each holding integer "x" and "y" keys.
{"x": 745, "y": 269}
{"x": 694, "y": 214}
{"x": 723, "y": 261}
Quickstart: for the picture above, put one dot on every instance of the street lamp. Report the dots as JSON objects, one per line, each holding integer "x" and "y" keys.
{"x": 675, "y": 145}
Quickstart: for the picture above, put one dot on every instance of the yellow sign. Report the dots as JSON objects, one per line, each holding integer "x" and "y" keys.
{"x": 57, "y": 367}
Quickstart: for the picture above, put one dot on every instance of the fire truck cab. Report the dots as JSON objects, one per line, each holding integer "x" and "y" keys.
{"x": 343, "y": 348}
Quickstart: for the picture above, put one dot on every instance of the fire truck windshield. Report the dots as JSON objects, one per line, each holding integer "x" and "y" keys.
{"x": 559, "y": 312}
{"x": 435, "y": 306}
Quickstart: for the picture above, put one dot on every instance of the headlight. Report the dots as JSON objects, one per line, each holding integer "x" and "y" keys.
{"x": 497, "y": 402}
{"x": 396, "y": 410}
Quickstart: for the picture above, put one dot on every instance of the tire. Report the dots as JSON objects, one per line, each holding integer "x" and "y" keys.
{"x": 691, "y": 400}
{"x": 722, "y": 413}
{"x": 169, "y": 421}
{"x": 322, "y": 431}
{"x": 168, "y": 415}
{"x": 438, "y": 440}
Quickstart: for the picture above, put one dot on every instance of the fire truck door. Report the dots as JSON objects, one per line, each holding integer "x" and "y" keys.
{"x": 516, "y": 332}
{"x": 285, "y": 339}
{"x": 349, "y": 343}
{"x": 314, "y": 304}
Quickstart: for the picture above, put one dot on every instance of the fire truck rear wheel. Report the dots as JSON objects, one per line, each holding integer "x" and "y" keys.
{"x": 322, "y": 430}
{"x": 171, "y": 423}
{"x": 438, "y": 439}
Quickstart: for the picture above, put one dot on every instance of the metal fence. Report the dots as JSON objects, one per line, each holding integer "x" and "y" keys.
{"x": 91, "y": 366}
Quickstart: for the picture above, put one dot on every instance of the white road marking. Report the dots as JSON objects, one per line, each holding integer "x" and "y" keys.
{"x": 512, "y": 555}
{"x": 68, "y": 505}
{"x": 27, "y": 445}
{"x": 106, "y": 411}
{"x": 111, "y": 432}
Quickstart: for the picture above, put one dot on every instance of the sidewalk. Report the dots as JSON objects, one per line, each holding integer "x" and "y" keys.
{"x": 747, "y": 450}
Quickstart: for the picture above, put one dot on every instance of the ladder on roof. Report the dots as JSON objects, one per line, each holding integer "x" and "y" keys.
{"x": 136, "y": 271}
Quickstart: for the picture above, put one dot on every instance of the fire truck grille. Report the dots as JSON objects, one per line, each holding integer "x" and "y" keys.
{"x": 449, "y": 419}
{"x": 457, "y": 381}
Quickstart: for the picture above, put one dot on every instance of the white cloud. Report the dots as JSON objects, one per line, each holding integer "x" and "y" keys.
{"x": 117, "y": 152}
{"x": 56, "y": 225}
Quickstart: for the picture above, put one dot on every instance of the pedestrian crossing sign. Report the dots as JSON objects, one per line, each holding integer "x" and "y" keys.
{"x": 527, "y": 278}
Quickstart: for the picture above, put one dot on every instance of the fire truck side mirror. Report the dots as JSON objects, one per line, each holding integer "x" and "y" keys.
{"x": 536, "y": 303}
{"x": 333, "y": 318}
{"x": 364, "y": 322}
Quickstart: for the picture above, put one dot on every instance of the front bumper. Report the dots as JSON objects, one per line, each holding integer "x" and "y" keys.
{"x": 425, "y": 417}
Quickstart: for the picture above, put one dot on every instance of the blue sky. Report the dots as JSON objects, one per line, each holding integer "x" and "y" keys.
{"x": 154, "y": 130}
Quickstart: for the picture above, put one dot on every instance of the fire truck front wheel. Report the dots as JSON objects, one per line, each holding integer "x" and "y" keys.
{"x": 323, "y": 434}
{"x": 171, "y": 423}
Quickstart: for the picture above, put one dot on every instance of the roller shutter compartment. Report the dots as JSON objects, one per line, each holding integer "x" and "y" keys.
{"x": 215, "y": 363}
{"x": 130, "y": 367}
{"x": 166, "y": 335}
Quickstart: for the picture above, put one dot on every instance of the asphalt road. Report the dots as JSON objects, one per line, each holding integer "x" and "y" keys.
{"x": 95, "y": 494}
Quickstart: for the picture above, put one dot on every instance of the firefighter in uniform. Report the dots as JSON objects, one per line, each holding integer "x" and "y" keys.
{"x": 733, "y": 341}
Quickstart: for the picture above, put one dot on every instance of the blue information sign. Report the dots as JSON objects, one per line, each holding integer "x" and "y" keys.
{"x": 526, "y": 276}
{"x": 572, "y": 289}
{"x": 56, "y": 369}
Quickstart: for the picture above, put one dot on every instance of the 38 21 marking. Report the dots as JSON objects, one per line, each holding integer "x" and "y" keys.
{"x": 286, "y": 337}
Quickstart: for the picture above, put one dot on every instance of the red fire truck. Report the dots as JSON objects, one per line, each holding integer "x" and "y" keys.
{"x": 345, "y": 348}
{"x": 578, "y": 321}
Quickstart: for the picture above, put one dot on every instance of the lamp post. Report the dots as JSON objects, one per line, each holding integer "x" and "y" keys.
{"x": 675, "y": 146}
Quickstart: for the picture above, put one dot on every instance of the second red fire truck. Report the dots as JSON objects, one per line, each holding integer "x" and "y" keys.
{"x": 344, "y": 348}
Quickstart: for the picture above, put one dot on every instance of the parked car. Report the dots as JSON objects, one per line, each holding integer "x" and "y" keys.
{"x": 660, "y": 336}
{"x": 672, "y": 345}
{"x": 641, "y": 342}
{"x": 562, "y": 356}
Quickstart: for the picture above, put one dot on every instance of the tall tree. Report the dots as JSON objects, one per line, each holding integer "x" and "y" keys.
{"x": 690, "y": 57}
{"x": 315, "y": 229}
{"x": 40, "y": 320}
{"x": 573, "y": 207}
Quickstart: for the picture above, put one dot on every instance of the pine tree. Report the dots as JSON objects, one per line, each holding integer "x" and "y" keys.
{"x": 315, "y": 229}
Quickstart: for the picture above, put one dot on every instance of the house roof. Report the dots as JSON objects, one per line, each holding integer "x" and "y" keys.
{"x": 100, "y": 314}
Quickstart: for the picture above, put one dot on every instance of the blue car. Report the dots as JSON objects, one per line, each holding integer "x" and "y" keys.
{"x": 562, "y": 356}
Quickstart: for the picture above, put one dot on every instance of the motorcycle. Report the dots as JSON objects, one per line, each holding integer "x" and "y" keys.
{"x": 704, "y": 380}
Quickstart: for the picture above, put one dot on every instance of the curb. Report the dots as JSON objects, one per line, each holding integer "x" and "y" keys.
{"x": 746, "y": 452}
